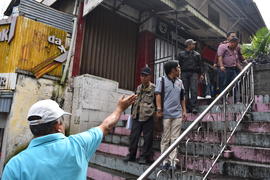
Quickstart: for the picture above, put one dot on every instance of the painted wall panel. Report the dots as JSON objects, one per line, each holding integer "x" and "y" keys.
{"x": 30, "y": 47}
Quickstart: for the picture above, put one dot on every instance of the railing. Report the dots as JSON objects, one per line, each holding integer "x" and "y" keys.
{"x": 240, "y": 94}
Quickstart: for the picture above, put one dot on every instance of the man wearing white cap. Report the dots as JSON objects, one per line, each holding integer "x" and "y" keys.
{"x": 51, "y": 155}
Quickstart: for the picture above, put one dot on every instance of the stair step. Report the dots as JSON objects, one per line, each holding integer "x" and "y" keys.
{"x": 223, "y": 177}
{"x": 261, "y": 107}
{"x": 246, "y": 153}
{"x": 247, "y": 169}
{"x": 239, "y": 138}
{"x": 96, "y": 172}
{"x": 117, "y": 163}
{"x": 228, "y": 167}
{"x": 262, "y": 98}
{"x": 244, "y": 126}
{"x": 260, "y": 116}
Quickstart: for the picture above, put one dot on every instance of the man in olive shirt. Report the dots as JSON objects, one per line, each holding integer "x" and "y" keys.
{"x": 142, "y": 115}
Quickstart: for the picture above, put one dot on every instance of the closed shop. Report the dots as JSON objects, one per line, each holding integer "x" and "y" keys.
{"x": 109, "y": 47}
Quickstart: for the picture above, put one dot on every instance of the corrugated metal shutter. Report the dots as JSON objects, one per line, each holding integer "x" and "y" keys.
{"x": 45, "y": 14}
{"x": 5, "y": 102}
{"x": 110, "y": 47}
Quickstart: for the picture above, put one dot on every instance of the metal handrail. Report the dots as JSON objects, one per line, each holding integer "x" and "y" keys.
{"x": 201, "y": 116}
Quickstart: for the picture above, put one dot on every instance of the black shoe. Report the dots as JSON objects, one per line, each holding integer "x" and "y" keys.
{"x": 175, "y": 167}
{"x": 165, "y": 166}
{"x": 129, "y": 158}
{"x": 144, "y": 160}
{"x": 194, "y": 111}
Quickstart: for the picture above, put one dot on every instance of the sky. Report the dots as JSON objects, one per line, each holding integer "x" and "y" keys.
{"x": 263, "y": 6}
{"x": 3, "y": 6}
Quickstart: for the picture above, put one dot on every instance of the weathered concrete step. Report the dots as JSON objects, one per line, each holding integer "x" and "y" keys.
{"x": 246, "y": 153}
{"x": 217, "y": 121}
{"x": 224, "y": 177}
{"x": 260, "y": 116}
{"x": 247, "y": 170}
{"x": 117, "y": 163}
{"x": 235, "y": 108}
{"x": 261, "y": 107}
{"x": 239, "y": 138}
{"x": 95, "y": 172}
{"x": 244, "y": 126}
{"x": 262, "y": 99}
{"x": 227, "y": 167}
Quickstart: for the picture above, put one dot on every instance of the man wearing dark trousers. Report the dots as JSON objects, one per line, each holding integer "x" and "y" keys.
{"x": 192, "y": 67}
{"x": 142, "y": 115}
{"x": 229, "y": 63}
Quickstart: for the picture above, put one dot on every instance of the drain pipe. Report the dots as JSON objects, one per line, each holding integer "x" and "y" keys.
{"x": 74, "y": 30}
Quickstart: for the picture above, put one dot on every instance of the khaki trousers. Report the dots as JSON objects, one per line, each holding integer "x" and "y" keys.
{"x": 171, "y": 131}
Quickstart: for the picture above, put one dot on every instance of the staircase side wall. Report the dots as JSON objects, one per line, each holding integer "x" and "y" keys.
{"x": 94, "y": 99}
{"x": 261, "y": 79}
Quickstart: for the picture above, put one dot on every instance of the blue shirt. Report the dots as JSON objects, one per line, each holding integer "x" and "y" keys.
{"x": 55, "y": 157}
{"x": 174, "y": 92}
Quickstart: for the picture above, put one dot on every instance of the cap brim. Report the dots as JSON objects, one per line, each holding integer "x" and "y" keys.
{"x": 67, "y": 113}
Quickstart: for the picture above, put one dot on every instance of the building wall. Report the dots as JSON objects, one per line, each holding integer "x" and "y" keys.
{"x": 226, "y": 22}
{"x": 17, "y": 133}
{"x": 94, "y": 99}
{"x": 109, "y": 48}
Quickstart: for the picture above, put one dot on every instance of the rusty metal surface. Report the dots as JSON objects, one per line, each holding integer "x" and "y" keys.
{"x": 30, "y": 46}
{"x": 42, "y": 13}
{"x": 109, "y": 47}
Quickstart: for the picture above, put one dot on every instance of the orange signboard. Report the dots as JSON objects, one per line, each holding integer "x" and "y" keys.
{"x": 30, "y": 46}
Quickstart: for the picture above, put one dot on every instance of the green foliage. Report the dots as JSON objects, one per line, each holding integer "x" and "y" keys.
{"x": 260, "y": 45}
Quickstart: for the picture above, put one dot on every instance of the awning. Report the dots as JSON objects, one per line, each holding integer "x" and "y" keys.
{"x": 5, "y": 101}
{"x": 194, "y": 22}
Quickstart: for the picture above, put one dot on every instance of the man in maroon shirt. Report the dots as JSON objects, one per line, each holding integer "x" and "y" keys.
{"x": 228, "y": 61}
{"x": 231, "y": 35}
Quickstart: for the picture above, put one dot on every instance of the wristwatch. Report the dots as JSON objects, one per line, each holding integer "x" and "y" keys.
{"x": 159, "y": 110}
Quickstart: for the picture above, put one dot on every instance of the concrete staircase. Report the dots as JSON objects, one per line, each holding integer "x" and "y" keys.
{"x": 248, "y": 156}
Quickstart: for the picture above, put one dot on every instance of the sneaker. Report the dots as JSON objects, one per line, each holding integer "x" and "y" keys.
{"x": 208, "y": 97}
{"x": 199, "y": 97}
{"x": 129, "y": 158}
{"x": 165, "y": 166}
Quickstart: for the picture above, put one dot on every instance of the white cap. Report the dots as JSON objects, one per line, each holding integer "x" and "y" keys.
{"x": 47, "y": 109}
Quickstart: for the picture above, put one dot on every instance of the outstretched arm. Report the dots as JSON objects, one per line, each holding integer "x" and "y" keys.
{"x": 112, "y": 119}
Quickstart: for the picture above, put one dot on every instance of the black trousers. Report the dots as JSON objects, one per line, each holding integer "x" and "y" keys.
{"x": 190, "y": 80}
{"x": 137, "y": 128}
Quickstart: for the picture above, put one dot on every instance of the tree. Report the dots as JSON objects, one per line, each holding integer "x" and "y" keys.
{"x": 259, "y": 49}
